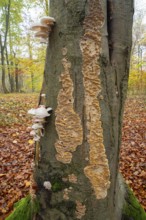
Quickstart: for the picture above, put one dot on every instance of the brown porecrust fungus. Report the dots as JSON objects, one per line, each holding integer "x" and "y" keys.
{"x": 72, "y": 178}
{"x": 68, "y": 124}
{"x": 66, "y": 192}
{"x": 98, "y": 169}
{"x": 80, "y": 210}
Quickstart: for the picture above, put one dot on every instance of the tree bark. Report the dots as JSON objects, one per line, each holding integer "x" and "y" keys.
{"x": 17, "y": 78}
{"x": 3, "y": 67}
{"x": 86, "y": 76}
{"x": 9, "y": 72}
{"x": 31, "y": 58}
{"x": 3, "y": 45}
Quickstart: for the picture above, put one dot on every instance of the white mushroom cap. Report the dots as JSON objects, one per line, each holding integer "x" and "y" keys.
{"x": 39, "y": 27}
{"x": 47, "y": 20}
{"x": 36, "y": 138}
{"x": 43, "y": 95}
{"x": 47, "y": 185}
{"x": 41, "y": 34}
{"x": 33, "y": 133}
{"x": 37, "y": 126}
{"x": 49, "y": 109}
{"x": 31, "y": 111}
{"x": 41, "y": 112}
{"x": 39, "y": 120}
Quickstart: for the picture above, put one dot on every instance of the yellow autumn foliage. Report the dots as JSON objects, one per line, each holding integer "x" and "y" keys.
{"x": 137, "y": 81}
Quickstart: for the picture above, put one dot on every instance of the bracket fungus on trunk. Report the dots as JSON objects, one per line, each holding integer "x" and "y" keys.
{"x": 41, "y": 34}
{"x": 43, "y": 28}
{"x": 47, "y": 20}
{"x": 39, "y": 27}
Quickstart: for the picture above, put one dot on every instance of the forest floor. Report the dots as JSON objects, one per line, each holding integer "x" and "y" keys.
{"x": 16, "y": 148}
{"x": 133, "y": 149}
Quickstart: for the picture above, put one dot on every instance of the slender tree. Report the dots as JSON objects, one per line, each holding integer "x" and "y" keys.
{"x": 86, "y": 75}
{"x": 10, "y": 32}
{"x": 3, "y": 41}
{"x": 31, "y": 58}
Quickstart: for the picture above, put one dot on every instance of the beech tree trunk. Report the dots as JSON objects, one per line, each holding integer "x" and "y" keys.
{"x": 86, "y": 76}
{"x": 9, "y": 72}
{"x": 31, "y": 58}
{"x": 3, "y": 45}
{"x": 5, "y": 90}
{"x": 17, "y": 78}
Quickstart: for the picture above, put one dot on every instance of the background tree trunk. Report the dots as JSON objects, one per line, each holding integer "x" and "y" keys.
{"x": 9, "y": 71}
{"x": 86, "y": 87}
{"x": 17, "y": 77}
{"x": 3, "y": 67}
{"x": 46, "y": 7}
{"x": 5, "y": 90}
{"x": 31, "y": 58}
{"x": 3, "y": 44}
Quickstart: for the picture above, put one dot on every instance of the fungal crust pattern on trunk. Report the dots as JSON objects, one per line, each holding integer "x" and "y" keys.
{"x": 68, "y": 124}
{"x": 98, "y": 169}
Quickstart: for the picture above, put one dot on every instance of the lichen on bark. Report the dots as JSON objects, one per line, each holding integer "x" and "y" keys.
{"x": 98, "y": 170}
{"x": 68, "y": 124}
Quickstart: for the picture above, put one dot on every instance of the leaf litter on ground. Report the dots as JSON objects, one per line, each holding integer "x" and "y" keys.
{"x": 16, "y": 148}
{"x": 133, "y": 149}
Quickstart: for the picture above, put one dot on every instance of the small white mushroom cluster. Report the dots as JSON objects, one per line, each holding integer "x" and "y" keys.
{"x": 39, "y": 114}
{"x": 43, "y": 28}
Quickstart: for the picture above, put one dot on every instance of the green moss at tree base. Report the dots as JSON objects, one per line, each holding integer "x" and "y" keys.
{"x": 132, "y": 209}
{"x": 24, "y": 209}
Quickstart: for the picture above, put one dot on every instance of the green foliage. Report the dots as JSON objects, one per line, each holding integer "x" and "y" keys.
{"x": 15, "y": 14}
{"x": 25, "y": 57}
{"x": 24, "y": 209}
{"x": 58, "y": 184}
{"x": 132, "y": 208}
{"x": 28, "y": 68}
{"x": 137, "y": 81}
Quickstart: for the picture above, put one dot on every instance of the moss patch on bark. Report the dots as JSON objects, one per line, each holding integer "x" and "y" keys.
{"x": 26, "y": 208}
{"x": 132, "y": 209}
